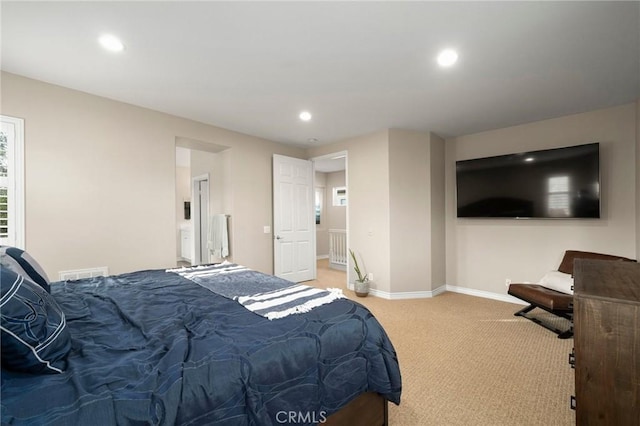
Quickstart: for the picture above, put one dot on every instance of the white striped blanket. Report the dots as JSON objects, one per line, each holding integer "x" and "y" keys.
{"x": 265, "y": 295}
{"x": 290, "y": 300}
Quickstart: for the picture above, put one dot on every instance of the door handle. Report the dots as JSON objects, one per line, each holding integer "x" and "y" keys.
{"x": 278, "y": 237}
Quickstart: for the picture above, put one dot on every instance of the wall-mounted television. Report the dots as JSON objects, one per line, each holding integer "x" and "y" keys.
{"x": 551, "y": 183}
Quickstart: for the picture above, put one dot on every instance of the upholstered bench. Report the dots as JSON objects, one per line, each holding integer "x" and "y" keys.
{"x": 559, "y": 303}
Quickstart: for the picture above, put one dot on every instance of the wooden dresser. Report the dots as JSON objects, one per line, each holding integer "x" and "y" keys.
{"x": 607, "y": 342}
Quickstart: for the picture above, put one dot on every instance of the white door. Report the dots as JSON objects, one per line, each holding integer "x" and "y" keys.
{"x": 294, "y": 248}
{"x": 200, "y": 219}
{"x": 204, "y": 221}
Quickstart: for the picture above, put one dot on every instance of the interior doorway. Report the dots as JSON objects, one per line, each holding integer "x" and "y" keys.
{"x": 332, "y": 210}
{"x": 202, "y": 175}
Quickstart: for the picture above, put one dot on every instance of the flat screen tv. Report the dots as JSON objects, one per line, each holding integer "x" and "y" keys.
{"x": 552, "y": 183}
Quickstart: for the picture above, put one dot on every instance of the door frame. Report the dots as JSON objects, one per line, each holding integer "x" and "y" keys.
{"x": 196, "y": 258}
{"x": 328, "y": 197}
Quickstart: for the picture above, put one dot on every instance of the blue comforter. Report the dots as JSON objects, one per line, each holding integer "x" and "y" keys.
{"x": 152, "y": 347}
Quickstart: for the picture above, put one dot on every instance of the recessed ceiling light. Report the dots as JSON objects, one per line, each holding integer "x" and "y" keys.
{"x": 312, "y": 140}
{"x": 447, "y": 57}
{"x": 305, "y": 116}
{"x": 111, "y": 43}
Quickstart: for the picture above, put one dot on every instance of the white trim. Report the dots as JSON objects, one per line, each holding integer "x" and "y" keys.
{"x": 485, "y": 294}
{"x": 17, "y": 181}
{"x": 405, "y": 294}
{"x": 322, "y": 256}
{"x": 442, "y": 289}
{"x": 337, "y": 266}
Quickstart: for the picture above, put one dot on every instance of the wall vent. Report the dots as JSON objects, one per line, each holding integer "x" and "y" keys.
{"x": 77, "y": 274}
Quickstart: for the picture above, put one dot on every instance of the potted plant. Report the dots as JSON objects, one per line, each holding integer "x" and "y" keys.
{"x": 361, "y": 284}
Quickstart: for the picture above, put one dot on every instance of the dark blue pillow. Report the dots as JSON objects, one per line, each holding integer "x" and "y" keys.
{"x": 35, "y": 338}
{"x": 20, "y": 262}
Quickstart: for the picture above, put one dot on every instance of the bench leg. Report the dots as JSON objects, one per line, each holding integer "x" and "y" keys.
{"x": 566, "y": 334}
{"x": 524, "y": 310}
{"x": 562, "y": 334}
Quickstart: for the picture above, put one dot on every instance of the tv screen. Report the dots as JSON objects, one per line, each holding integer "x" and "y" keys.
{"x": 552, "y": 183}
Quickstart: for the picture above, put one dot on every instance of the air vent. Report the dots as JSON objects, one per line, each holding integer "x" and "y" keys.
{"x": 77, "y": 274}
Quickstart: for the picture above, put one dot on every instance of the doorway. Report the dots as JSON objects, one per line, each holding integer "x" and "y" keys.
{"x": 202, "y": 177}
{"x": 331, "y": 211}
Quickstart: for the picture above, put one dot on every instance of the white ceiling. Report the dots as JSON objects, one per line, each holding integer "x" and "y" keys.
{"x": 358, "y": 67}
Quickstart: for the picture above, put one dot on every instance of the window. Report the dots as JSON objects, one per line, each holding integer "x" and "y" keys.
{"x": 558, "y": 196}
{"x": 318, "y": 206}
{"x": 12, "y": 181}
{"x": 340, "y": 196}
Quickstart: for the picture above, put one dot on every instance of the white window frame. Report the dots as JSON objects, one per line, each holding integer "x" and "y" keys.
{"x": 15, "y": 184}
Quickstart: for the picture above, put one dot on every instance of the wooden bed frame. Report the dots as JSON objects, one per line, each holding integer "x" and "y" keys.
{"x": 368, "y": 409}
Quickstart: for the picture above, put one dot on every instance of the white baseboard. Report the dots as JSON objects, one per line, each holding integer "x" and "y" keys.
{"x": 443, "y": 288}
{"x": 486, "y": 294}
{"x": 407, "y": 294}
{"x": 337, "y": 267}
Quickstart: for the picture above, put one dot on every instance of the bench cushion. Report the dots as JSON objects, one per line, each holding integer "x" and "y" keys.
{"x": 566, "y": 265}
{"x": 538, "y": 295}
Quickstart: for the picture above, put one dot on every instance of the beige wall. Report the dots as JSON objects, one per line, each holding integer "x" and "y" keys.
{"x": 437, "y": 214}
{"x": 416, "y": 162}
{"x": 410, "y": 210}
{"x": 336, "y": 215}
{"x": 638, "y": 178}
{"x": 214, "y": 165}
{"x": 482, "y": 253}
{"x": 101, "y": 181}
{"x": 331, "y": 217}
{"x": 368, "y": 199}
{"x": 322, "y": 230}
{"x": 97, "y": 169}
{"x": 211, "y": 164}
{"x": 391, "y": 203}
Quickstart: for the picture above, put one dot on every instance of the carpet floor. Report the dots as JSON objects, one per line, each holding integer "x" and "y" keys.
{"x": 468, "y": 361}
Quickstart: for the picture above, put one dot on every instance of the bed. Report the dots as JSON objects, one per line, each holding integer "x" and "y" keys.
{"x": 162, "y": 347}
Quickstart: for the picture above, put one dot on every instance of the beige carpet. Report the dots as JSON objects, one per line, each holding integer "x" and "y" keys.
{"x": 468, "y": 361}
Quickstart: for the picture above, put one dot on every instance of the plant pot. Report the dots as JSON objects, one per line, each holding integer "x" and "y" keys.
{"x": 361, "y": 288}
